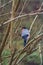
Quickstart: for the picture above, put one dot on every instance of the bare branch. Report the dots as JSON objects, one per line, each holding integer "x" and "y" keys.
{"x": 4, "y": 39}
{"x": 25, "y": 55}
{"x": 21, "y": 17}
{"x": 35, "y": 18}
{"x": 5, "y": 14}
{"x": 14, "y": 9}
{"x": 23, "y": 13}
{"x": 5, "y": 4}
{"x": 36, "y": 38}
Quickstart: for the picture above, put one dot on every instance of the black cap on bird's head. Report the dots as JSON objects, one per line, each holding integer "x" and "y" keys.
{"x": 23, "y": 27}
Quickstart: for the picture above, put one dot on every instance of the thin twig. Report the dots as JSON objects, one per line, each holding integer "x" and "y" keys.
{"x": 5, "y": 4}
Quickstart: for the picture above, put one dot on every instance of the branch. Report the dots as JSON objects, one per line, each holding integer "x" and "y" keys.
{"x": 15, "y": 32}
{"x": 12, "y": 57}
{"x": 5, "y": 4}
{"x": 22, "y": 13}
{"x": 6, "y": 14}
{"x": 21, "y": 17}
{"x": 35, "y": 18}
{"x": 36, "y": 38}
{"x": 33, "y": 42}
{"x": 25, "y": 55}
{"x": 4, "y": 39}
{"x": 14, "y": 9}
{"x": 33, "y": 22}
